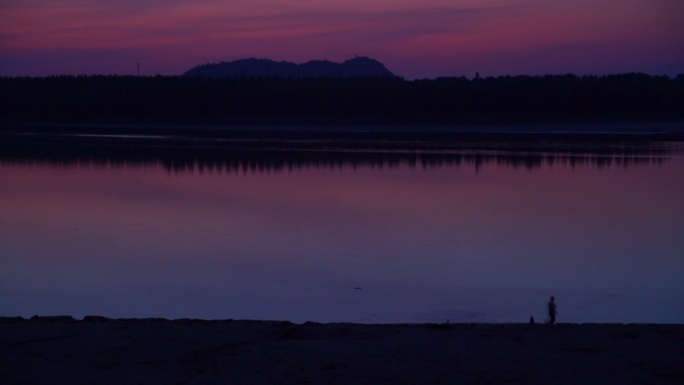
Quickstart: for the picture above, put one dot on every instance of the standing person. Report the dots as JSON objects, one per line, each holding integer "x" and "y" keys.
{"x": 552, "y": 311}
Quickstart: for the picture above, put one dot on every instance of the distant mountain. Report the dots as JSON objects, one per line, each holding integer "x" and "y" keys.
{"x": 357, "y": 67}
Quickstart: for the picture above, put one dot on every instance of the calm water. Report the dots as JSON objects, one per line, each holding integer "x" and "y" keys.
{"x": 399, "y": 241}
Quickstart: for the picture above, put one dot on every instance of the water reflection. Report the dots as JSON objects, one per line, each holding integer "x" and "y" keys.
{"x": 230, "y": 156}
{"x": 440, "y": 231}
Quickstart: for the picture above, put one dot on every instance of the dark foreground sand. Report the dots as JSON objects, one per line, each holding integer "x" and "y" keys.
{"x": 60, "y": 350}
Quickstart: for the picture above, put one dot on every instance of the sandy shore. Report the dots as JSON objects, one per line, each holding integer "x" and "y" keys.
{"x": 96, "y": 350}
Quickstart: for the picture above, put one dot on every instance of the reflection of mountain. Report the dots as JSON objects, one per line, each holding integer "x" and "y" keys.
{"x": 287, "y": 150}
{"x": 357, "y": 67}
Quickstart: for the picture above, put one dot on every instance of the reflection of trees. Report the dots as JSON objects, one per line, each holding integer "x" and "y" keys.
{"x": 256, "y": 156}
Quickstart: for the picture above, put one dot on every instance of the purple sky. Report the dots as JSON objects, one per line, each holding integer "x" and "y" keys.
{"x": 414, "y": 39}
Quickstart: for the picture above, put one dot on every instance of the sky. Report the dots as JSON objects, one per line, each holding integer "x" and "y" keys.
{"x": 413, "y": 38}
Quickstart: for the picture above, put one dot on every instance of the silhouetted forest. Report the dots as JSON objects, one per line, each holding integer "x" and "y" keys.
{"x": 506, "y": 99}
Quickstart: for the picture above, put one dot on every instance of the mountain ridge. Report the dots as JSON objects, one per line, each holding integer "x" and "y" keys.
{"x": 359, "y": 66}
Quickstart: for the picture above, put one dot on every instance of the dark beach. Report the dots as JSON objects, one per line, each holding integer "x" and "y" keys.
{"x": 61, "y": 350}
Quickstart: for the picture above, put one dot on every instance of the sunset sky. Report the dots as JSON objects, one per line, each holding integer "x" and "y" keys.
{"x": 413, "y": 38}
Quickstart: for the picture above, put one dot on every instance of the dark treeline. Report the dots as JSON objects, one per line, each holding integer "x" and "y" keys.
{"x": 507, "y": 99}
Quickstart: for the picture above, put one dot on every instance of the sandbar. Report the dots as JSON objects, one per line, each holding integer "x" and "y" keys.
{"x": 99, "y": 350}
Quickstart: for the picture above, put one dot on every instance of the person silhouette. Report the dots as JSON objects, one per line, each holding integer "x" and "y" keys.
{"x": 552, "y": 311}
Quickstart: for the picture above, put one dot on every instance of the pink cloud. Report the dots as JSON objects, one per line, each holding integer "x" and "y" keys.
{"x": 414, "y": 39}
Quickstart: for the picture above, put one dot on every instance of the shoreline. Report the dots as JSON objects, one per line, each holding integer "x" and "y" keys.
{"x": 5, "y": 319}
{"x": 581, "y": 127}
{"x": 61, "y": 349}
